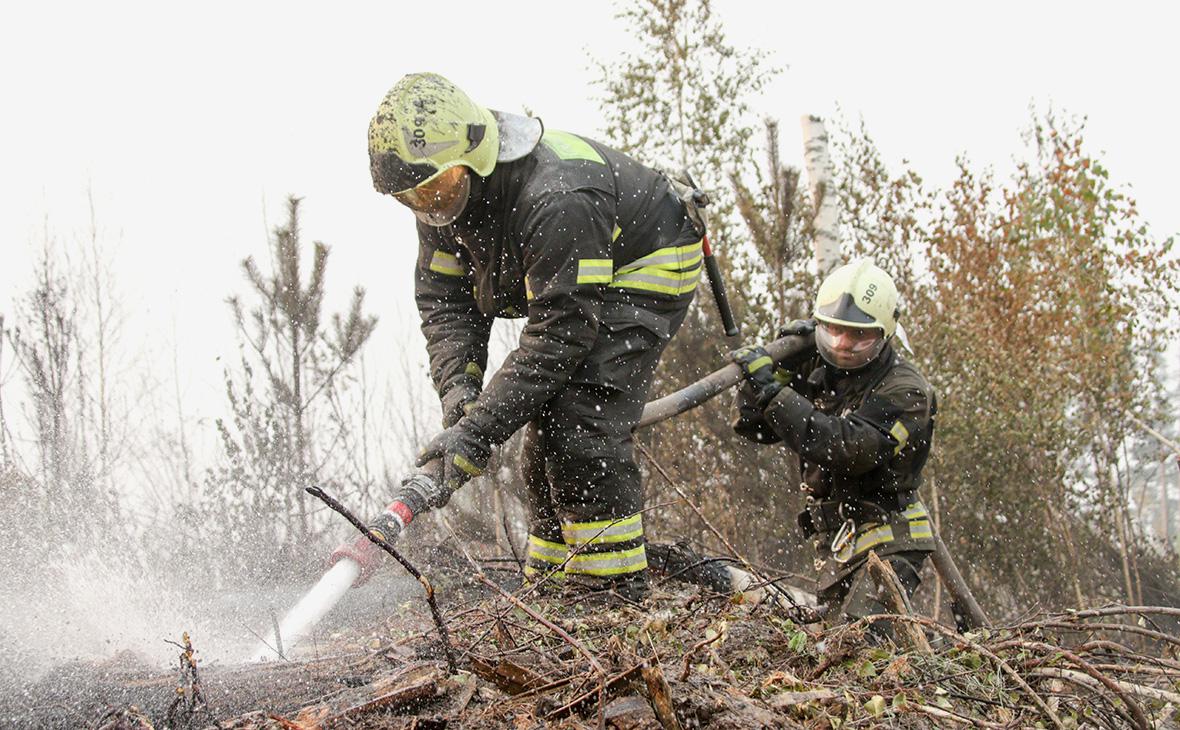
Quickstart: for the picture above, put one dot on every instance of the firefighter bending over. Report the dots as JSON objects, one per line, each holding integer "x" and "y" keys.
{"x": 599, "y": 253}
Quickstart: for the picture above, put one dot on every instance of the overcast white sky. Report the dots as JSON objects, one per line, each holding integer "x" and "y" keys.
{"x": 189, "y": 121}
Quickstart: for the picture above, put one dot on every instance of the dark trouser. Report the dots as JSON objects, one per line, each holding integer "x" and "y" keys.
{"x": 584, "y": 494}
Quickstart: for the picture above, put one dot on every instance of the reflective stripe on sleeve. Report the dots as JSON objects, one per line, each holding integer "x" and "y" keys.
{"x": 669, "y": 258}
{"x": 659, "y": 280}
{"x": 445, "y": 263}
{"x": 603, "y": 531}
{"x": 901, "y": 434}
{"x": 759, "y": 363}
{"x": 595, "y": 271}
{"x": 610, "y": 563}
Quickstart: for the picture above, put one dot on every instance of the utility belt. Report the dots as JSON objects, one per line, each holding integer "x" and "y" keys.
{"x": 830, "y": 515}
{"x": 862, "y": 524}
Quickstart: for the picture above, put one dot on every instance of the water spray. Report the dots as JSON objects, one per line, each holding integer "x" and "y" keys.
{"x": 314, "y": 605}
{"x": 355, "y": 560}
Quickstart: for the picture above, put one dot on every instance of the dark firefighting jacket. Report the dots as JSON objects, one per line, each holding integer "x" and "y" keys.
{"x": 558, "y": 237}
{"x": 863, "y": 435}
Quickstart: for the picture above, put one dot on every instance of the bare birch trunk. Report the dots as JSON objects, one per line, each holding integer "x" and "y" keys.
{"x": 820, "y": 180}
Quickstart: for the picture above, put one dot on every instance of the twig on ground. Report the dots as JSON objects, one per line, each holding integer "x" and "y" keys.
{"x": 1132, "y": 706}
{"x": 688, "y": 655}
{"x": 479, "y": 575}
{"x": 982, "y": 650}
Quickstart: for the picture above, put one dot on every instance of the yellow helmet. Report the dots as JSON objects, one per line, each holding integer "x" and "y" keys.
{"x": 856, "y": 308}
{"x": 426, "y": 126}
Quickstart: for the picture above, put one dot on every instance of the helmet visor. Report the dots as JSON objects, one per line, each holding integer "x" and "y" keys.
{"x": 438, "y": 202}
{"x": 848, "y": 348}
{"x": 393, "y": 175}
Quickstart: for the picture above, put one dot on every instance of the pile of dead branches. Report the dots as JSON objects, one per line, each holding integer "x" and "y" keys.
{"x": 685, "y": 659}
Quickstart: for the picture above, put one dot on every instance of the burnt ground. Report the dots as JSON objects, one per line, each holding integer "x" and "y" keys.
{"x": 683, "y": 658}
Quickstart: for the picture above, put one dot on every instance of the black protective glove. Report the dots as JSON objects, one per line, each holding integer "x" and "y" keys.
{"x": 801, "y": 327}
{"x": 759, "y": 371}
{"x": 458, "y": 398}
{"x": 464, "y": 453}
{"x": 748, "y": 422}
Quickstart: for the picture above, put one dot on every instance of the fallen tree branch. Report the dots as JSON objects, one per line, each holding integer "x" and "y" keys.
{"x": 1132, "y": 706}
{"x": 1154, "y": 693}
{"x": 887, "y": 579}
{"x": 660, "y": 694}
{"x": 688, "y": 655}
{"x": 382, "y": 543}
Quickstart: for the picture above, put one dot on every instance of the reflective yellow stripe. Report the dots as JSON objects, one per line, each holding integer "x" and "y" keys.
{"x": 669, "y": 258}
{"x": 548, "y": 552}
{"x": 614, "y": 236}
{"x": 595, "y": 271}
{"x": 759, "y": 363}
{"x": 462, "y": 462}
{"x": 603, "y": 531}
{"x": 445, "y": 263}
{"x": 915, "y": 510}
{"x": 865, "y": 540}
{"x": 874, "y": 537}
{"x": 920, "y": 529}
{"x": 528, "y": 289}
{"x": 901, "y": 434}
{"x": 570, "y": 147}
{"x": 473, "y": 368}
{"x": 659, "y": 280}
{"x": 616, "y": 563}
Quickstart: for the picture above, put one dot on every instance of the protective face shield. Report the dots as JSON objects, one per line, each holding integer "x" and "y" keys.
{"x": 848, "y": 348}
{"x": 440, "y": 200}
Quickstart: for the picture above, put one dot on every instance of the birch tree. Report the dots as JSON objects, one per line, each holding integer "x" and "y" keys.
{"x": 824, "y": 199}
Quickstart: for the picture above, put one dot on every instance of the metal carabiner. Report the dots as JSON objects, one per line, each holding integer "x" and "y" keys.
{"x": 843, "y": 535}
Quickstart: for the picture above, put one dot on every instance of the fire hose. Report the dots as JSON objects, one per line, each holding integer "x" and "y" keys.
{"x": 423, "y": 490}
{"x": 354, "y": 561}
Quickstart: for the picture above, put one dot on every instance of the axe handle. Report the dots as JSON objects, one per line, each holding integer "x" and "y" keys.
{"x": 718, "y": 381}
{"x": 961, "y": 597}
{"x": 717, "y": 284}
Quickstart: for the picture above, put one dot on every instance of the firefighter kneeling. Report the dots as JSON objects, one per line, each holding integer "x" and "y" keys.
{"x": 861, "y": 419}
